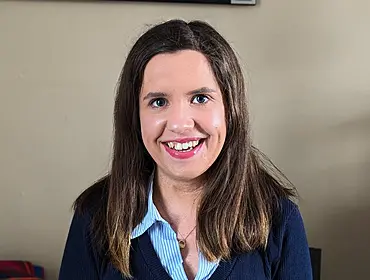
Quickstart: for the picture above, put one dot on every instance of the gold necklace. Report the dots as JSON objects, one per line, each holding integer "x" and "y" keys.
{"x": 182, "y": 242}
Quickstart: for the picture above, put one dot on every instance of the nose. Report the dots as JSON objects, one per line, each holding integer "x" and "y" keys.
{"x": 180, "y": 119}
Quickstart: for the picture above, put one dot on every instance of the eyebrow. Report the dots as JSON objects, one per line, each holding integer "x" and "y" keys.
{"x": 202, "y": 90}
{"x": 159, "y": 94}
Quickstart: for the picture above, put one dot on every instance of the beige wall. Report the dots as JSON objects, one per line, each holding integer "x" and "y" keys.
{"x": 308, "y": 64}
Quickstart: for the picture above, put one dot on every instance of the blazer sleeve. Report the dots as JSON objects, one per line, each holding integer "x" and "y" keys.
{"x": 294, "y": 262}
{"x": 79, "y": 260}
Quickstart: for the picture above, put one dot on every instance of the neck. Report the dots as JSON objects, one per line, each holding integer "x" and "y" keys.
{"x": 177, "y": 201}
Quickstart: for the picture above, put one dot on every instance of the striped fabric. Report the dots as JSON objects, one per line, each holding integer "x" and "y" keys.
{"x": 165, "y": 244}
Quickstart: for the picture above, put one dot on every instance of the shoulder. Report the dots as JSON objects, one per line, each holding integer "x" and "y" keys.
{"x": 83, "y": 256}
{"x": 287, "y": 208}
{"x": 90, "y": 210}
{"x": 89, "y": 216}
{"x": 285, "y": 216}
{"x": 94, "y": 199}
{"x": 287, "y": 224}
{"x": 287, "y": 248}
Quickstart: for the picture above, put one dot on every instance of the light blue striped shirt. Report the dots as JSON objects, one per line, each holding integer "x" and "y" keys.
{"x": 165, "y": 244}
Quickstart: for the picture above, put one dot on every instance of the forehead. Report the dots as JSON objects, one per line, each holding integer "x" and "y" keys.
{"x": 183, "y": 70}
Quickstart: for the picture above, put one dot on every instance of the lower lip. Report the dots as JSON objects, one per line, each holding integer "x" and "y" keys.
{"x": 183, "y": 155}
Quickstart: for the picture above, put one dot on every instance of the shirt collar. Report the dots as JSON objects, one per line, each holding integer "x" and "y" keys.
{"x": 152, "y": 215}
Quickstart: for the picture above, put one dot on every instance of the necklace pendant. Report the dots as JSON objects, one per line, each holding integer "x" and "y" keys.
{"x": 182, "y": 243}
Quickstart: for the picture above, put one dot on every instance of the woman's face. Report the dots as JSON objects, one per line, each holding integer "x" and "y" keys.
{"x": 182, "y": 114}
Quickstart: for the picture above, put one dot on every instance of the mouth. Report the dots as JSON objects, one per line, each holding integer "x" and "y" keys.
{"x": 184, "y": 146}
{"x": 184, "y": 149}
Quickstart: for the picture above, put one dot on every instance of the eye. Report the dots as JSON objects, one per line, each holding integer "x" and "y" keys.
{"x": 158, "y": 102}
{"x": 200, "y": 99}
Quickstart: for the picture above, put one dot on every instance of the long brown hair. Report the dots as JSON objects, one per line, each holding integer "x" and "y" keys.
{"x": 243, "y": 188}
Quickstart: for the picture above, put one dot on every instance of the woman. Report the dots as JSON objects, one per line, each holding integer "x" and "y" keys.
{"x": 188, "y": 196}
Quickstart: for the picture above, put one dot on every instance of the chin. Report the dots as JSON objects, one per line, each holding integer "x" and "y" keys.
{"x": 185, "y": 174}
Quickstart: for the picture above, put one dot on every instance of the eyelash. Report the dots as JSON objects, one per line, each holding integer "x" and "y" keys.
{"x": 152, "y": 102}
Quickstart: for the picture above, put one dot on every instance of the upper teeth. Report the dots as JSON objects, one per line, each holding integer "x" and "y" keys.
{"x": 182, "y": 146}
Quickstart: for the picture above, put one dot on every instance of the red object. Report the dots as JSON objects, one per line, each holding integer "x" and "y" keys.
{"x": 20, "y": 270}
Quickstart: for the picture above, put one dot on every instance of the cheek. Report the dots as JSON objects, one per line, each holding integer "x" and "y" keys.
{"x": 150, "y": 128}
{"x": 145, "y": 128}
{"x": 218, "y": 122}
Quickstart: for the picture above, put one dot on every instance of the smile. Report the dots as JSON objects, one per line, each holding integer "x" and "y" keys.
{"x": 183, "y": 149}
{"x": 187, "y": 146}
